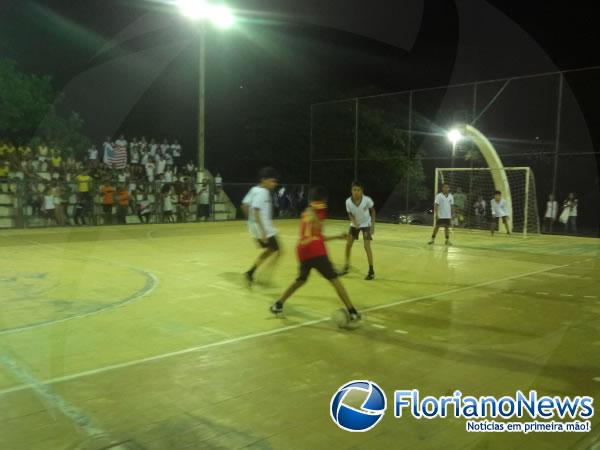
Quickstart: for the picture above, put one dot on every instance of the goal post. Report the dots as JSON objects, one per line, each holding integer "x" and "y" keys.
{"x": 473, "y": 189}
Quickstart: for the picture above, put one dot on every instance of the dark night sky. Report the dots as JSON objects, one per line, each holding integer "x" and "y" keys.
{"x": 274, "y": 67}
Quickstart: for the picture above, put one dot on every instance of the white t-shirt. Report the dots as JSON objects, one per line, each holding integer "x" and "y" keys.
{"x": 250, "y": 195}
{"x": 92, "y": 154}
{"x": 551, "y": 209}
{"x": 176, "y": 149}
{"x": 573, "y": 207}
{"x": 262, "y": 201}
{"x": 203, "y": 197}
{"x": 169, "y": 176}
{"x": 247, "y": 200}
{"x": 444, "y": 205}
{"x": 167, "y": 203}
{"x": 360, "y": 212}
{"x": 499, "y": 209}
{"x": 134, "y": 156}
{"x": 160, "y": 166}
{"x": 48, "y": 202}
{"x": 150, "y": 171}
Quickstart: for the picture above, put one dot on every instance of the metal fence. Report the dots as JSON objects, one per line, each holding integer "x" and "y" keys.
{"x": 22, "y": 202}
{"x": 394, "y": 142}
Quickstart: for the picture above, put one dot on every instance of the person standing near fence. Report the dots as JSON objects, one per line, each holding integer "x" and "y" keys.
{"x": 551, "y": 213}
{"x": 108, "y": 193}
{"x": 570, "y": 219}
{"x": 123, "y": 204}
{"x": 203, "y": 202}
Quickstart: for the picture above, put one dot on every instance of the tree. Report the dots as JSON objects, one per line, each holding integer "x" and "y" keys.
{"x": 30, "y": 111}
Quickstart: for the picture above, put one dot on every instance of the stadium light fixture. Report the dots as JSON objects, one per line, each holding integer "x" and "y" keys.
{"x": 220, "y": 15}
{"x": 455, "y": 136}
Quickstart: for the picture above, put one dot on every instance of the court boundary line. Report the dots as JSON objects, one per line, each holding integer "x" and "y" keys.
{"x": 251, "y": 336}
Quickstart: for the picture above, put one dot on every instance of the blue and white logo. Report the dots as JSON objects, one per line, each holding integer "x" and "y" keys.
{"x": 353, "y": 419}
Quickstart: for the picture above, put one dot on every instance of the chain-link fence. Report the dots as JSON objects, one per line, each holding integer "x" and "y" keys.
{"x": 394, "y": 142}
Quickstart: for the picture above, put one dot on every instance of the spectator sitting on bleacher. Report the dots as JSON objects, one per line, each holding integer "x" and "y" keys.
{"x": 55, "y": 161}
{"x": 42, "y": 152}
{"x": 4, "y": 170}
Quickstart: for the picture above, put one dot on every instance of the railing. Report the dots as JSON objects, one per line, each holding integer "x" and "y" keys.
{"x": 22, "y": 202}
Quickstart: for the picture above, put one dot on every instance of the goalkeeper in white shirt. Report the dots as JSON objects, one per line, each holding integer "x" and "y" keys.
{"x": 499, "y": 209}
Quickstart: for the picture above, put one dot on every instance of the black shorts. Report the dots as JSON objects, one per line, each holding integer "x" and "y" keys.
{"x": 270, "y": 244}
{"x": 443, "y": 222}
{"x": 366, "y": 231}
{"x": 321, "y": 264}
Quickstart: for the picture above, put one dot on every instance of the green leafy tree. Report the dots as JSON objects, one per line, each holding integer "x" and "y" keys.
{"x": 30, "y": 111}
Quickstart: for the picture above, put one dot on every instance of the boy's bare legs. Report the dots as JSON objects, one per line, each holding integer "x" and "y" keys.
{"x": 259, "y": 261}
{"x": 367, "y": 244}
{"x": 434, "y": 234}
{"x": 349, "y": 244}
{"x": 505, "y": 221}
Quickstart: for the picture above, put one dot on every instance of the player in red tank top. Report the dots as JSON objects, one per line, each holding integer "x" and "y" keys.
{"x": 313, "y": 254}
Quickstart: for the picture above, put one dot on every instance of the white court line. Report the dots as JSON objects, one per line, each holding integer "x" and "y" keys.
{"x": 543, "y": 293}
{"x": 376, "y": 325}
{"x": 261, "y": 334}
{"x": 566, "y": 295}
{"x": 400, "y": 331}
{"x": 52, "y": 399}
{"x": 590, "y": 296}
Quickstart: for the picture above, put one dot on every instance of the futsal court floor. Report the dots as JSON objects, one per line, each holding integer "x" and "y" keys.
{"x": 144, "y": 337}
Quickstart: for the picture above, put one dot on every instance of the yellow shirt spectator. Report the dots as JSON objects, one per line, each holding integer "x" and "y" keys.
{"x": 83, "y": 183}
{"x": 56, "y": 161}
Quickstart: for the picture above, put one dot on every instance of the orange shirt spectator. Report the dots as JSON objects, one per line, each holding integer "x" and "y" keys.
{"x": 123, "y": 197}
{"x": 108, "y": 194}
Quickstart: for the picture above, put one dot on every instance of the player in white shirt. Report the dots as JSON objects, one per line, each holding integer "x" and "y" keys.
{"x": 261, "y": 226}
{"x": 361, "y": 211}
{"x": 499, "y": 209}
{"x": 247, "y": 201}
{"x": 551, "y": 213}
{"x": 443, "y": 208}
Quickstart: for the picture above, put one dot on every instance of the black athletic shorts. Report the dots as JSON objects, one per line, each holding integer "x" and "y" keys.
{"x": 443, "y": 222}
{"x": 321, "y": 264}
{"x": 272, "y": 243}
{"x": 366, "y": 231}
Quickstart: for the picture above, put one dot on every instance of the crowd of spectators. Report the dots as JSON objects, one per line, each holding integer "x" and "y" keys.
{"x": 141, "y": 177}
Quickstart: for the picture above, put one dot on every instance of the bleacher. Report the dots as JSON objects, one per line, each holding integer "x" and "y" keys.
{"x": 14, "y": 213}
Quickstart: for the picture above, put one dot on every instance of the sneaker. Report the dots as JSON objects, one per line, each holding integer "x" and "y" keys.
{"x": 370, "y": 276}
{"x": 430, "y": 242}
{"x": 276, "y": 308}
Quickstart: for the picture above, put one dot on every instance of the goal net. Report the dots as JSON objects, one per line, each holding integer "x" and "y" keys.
{"x": 473, "y": 190}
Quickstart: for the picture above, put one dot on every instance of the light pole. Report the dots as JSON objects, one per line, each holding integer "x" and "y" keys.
{"x": 222, "y": 17}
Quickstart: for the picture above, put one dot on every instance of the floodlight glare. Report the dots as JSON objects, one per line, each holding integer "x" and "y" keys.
{"x": 221, "y": 16}
{"x": 193, "y": 9}
{"x": 455, "y": 136}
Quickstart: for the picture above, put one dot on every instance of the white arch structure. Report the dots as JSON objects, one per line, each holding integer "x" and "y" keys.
{"x": 494, "y": 163}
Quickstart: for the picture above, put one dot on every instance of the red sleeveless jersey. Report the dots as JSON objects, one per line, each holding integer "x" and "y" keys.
{"x": 312, "y": 241}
